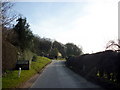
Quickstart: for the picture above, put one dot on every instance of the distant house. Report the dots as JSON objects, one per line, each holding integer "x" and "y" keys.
{"x": 59, "y": 55}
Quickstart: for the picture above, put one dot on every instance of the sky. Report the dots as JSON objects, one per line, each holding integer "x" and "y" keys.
{"x": 89, "y": 24}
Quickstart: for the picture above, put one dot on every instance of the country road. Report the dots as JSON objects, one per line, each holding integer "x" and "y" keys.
{"x": 57, "y": 75}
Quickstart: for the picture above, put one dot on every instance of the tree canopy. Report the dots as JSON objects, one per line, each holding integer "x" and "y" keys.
{"x": 7, "y": 14}
{"x": 72, "y": 50}
{"x": 22, "y": 37}
{"x": 25, "y": 35}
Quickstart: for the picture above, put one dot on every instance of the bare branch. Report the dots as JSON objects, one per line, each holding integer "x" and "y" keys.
{"x": 7, "y": 15}
{"x": 111, "y": 44}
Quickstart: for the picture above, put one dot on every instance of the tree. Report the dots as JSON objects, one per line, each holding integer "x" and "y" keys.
{"x": 54, "y": 53}
{"x": 42, "y": 46}
{"x": 113, "y": 45}
{"x": 25, "y": 35}
{"x": 61, "y": 48}
{"x": 7, "y": 15}
{"x": 72, "y": 50}
{"x": 45, "y": 45}
{"x": 36, "y": 42}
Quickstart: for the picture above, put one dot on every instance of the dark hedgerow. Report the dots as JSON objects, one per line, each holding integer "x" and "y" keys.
{"x": 102, "y": 67}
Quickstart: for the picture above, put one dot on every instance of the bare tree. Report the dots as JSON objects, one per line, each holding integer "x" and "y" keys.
{"x": 112, "y": 44}
{"x": 7, "y": 15}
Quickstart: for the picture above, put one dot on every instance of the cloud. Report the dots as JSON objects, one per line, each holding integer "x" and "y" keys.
{"x": 92, "y": 29}
{"x": 96, "y": 28}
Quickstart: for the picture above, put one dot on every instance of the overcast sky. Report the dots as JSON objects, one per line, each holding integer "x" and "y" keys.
{"x": 88, "y": 23}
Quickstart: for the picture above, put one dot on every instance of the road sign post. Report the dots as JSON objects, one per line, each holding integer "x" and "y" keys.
{"x": 19, "y": 72}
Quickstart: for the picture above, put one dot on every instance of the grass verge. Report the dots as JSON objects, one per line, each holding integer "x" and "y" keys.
{"x": 11, "y": 80}
{"x": 61, "y": 59}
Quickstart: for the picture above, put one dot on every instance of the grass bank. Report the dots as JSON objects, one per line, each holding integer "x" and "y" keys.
{"x": 11, "y": 80}
{"x": 61, "y": 59}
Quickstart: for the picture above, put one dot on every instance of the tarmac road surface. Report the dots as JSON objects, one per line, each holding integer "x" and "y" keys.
{"x": 57, "y": 75}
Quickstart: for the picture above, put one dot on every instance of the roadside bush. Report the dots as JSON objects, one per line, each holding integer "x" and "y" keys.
{"x": 34, "y": 58}
{"x": 103, "y": 66}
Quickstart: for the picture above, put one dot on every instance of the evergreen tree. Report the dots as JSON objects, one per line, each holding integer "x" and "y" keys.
{"x": 25, "y": 36}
